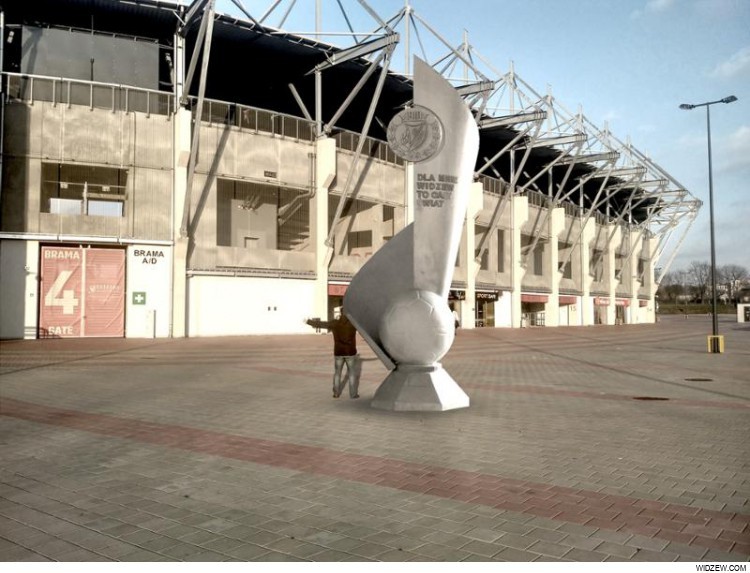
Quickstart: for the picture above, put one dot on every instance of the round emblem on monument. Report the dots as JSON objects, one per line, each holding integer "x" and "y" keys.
{"x": 415, "y": 134}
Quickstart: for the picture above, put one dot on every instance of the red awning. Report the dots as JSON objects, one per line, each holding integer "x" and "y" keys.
{"x": 534, "y": 298}
{"x": 622, "y": 302}
{"x": 601, "y": 301}
{"x": 567, "y": 299}
{"x": 337, "y": 290}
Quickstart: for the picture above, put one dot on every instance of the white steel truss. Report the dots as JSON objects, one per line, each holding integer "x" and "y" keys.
{"x": 634, "y": 192}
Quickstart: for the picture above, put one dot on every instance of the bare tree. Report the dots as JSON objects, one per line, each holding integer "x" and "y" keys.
{"x": 732, "y": 276}
{"x": 672, "y": 286}
{"x": 700, "y": 279}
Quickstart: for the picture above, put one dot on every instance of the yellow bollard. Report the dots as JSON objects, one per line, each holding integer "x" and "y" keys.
{"x": 715, "y": 344}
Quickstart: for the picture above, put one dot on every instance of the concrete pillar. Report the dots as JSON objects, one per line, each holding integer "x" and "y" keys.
{"x": 519, "y": 214}
{"x": 587, "y": 303}
{"x": 612, "y": 281}
{"x": 552, "y": 308}
{"x": 468, "y": 248}
{"x": 19, "y": 285}
{"x": 325, "y": 173}
{"x": 636, "y": 244}
{"x": 182, "y": 140}
{"x": 649, "y": 282}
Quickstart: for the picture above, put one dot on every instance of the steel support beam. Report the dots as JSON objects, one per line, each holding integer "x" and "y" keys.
{"x": 358, "y": 51}
{"x": 608, "y": 156}
{"x": 360, "y": 84}
{"x": 208, "y": 17}
{"x": 358, "y": 153}
{"x": 514, "y": 119}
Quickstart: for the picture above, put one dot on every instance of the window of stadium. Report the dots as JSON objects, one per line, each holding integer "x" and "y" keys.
{"x": 83, "y": 190}
{"x": 563, "y": 254}
{"x": 596, "y": 265}
{"x": 500, "y": 251}
{"x": 479, "y": 233}
{"x": 254, "y": 215}
{"x": 536, "y": 258}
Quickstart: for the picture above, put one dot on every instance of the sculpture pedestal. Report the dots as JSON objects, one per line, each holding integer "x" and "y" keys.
{"x": 412, "y": 388}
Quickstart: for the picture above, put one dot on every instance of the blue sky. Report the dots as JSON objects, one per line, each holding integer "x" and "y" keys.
{"x": 629, "y": 63}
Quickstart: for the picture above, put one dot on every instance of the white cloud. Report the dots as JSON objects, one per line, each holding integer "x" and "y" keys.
{"x": 653, "y": 7}
{"x": 611, "y": 116}
{"x": 736, "y": 151}
{"x": 737, "y": 64}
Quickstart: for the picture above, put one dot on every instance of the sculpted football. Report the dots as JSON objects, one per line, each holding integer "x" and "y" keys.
{"x": 417, "y": 328}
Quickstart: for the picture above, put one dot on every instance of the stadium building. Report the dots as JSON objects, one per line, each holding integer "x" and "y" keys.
{"x": 169, "y": 170}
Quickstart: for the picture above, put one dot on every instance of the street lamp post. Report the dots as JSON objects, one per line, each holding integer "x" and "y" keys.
{"x": 715, "y": 345}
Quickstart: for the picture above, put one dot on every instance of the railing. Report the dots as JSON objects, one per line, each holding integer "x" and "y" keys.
{"x": 372, "y": 148}
{"x": 600, "y": 218}
{"x": 537, "y": 198}
{"x": 266, "y": 121}
{"x": 256, "y": 119}
{"x": 571, "y": 210}
{"x": 99, "y": 95}
{"x": 493, "y": 186}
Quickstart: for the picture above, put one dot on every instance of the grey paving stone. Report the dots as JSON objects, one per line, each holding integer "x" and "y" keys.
{"x": 482, "y": 534}
{"x": 581, "y": 542}
{"x": 612, "y": 536}
{"x": 651, "y": 543}
{"x": 449, "y": 539}
{"x": 482, "y": 548}
{"x": 511, "y": 554}
{"x": 392, "y": 555}
{"x": 248, "y": 552}
{"x": 80, "y": 554}
{"x": 205, "y": 556}
{"x": 516, "y": 541}
{"x": 549, "y": 549}
{"x": 584, "y": 555}
{"x": 441, "y": 552}
{"x": 653, "y": 556}
{"x": 616, "y": 550}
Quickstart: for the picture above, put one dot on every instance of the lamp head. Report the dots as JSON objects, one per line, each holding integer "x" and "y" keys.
{"x": 686, "y": 106}
{"x": 729, "y": 99}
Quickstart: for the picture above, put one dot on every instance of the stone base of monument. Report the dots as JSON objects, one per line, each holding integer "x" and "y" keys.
{"x": 411, "y": 388}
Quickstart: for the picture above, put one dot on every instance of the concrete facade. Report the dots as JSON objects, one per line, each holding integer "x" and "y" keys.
{"x": 207, "y": 282}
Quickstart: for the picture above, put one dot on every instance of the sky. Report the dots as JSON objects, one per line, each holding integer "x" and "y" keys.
{"x": 627, "y": 64}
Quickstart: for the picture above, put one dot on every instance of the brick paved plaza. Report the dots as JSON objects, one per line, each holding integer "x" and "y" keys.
{"x": 582, "y": 444}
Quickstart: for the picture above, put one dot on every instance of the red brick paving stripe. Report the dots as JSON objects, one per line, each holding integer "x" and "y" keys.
{"x": 706, "y": 528}
{"x": 546, "y": 390}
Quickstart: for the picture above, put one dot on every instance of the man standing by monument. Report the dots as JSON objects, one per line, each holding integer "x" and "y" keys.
{"x": 344, "y": 352}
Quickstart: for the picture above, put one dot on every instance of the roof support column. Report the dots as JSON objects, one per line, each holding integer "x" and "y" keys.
{"x": 556, "y": 226}
{"x": 610, "y": 253}
{"x": 519, "y": 214}
{"x": 181, "y": 126}
{"x": 633, "y": 278}
{"x": 325, "y": 173}
{"x": 208, "y": 19}
{"x": 588, "y": 234}
{"x": 647, "y": 314}
{"x": 468, "y": 305}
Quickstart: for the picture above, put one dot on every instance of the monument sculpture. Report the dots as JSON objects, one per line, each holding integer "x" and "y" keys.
{"x": 398, "y": 299}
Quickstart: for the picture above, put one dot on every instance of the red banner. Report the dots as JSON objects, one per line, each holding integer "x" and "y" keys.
{"x": 104, "y": 309}
{"x": 82, "y": 292}
{"x": 62, "y": 275}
